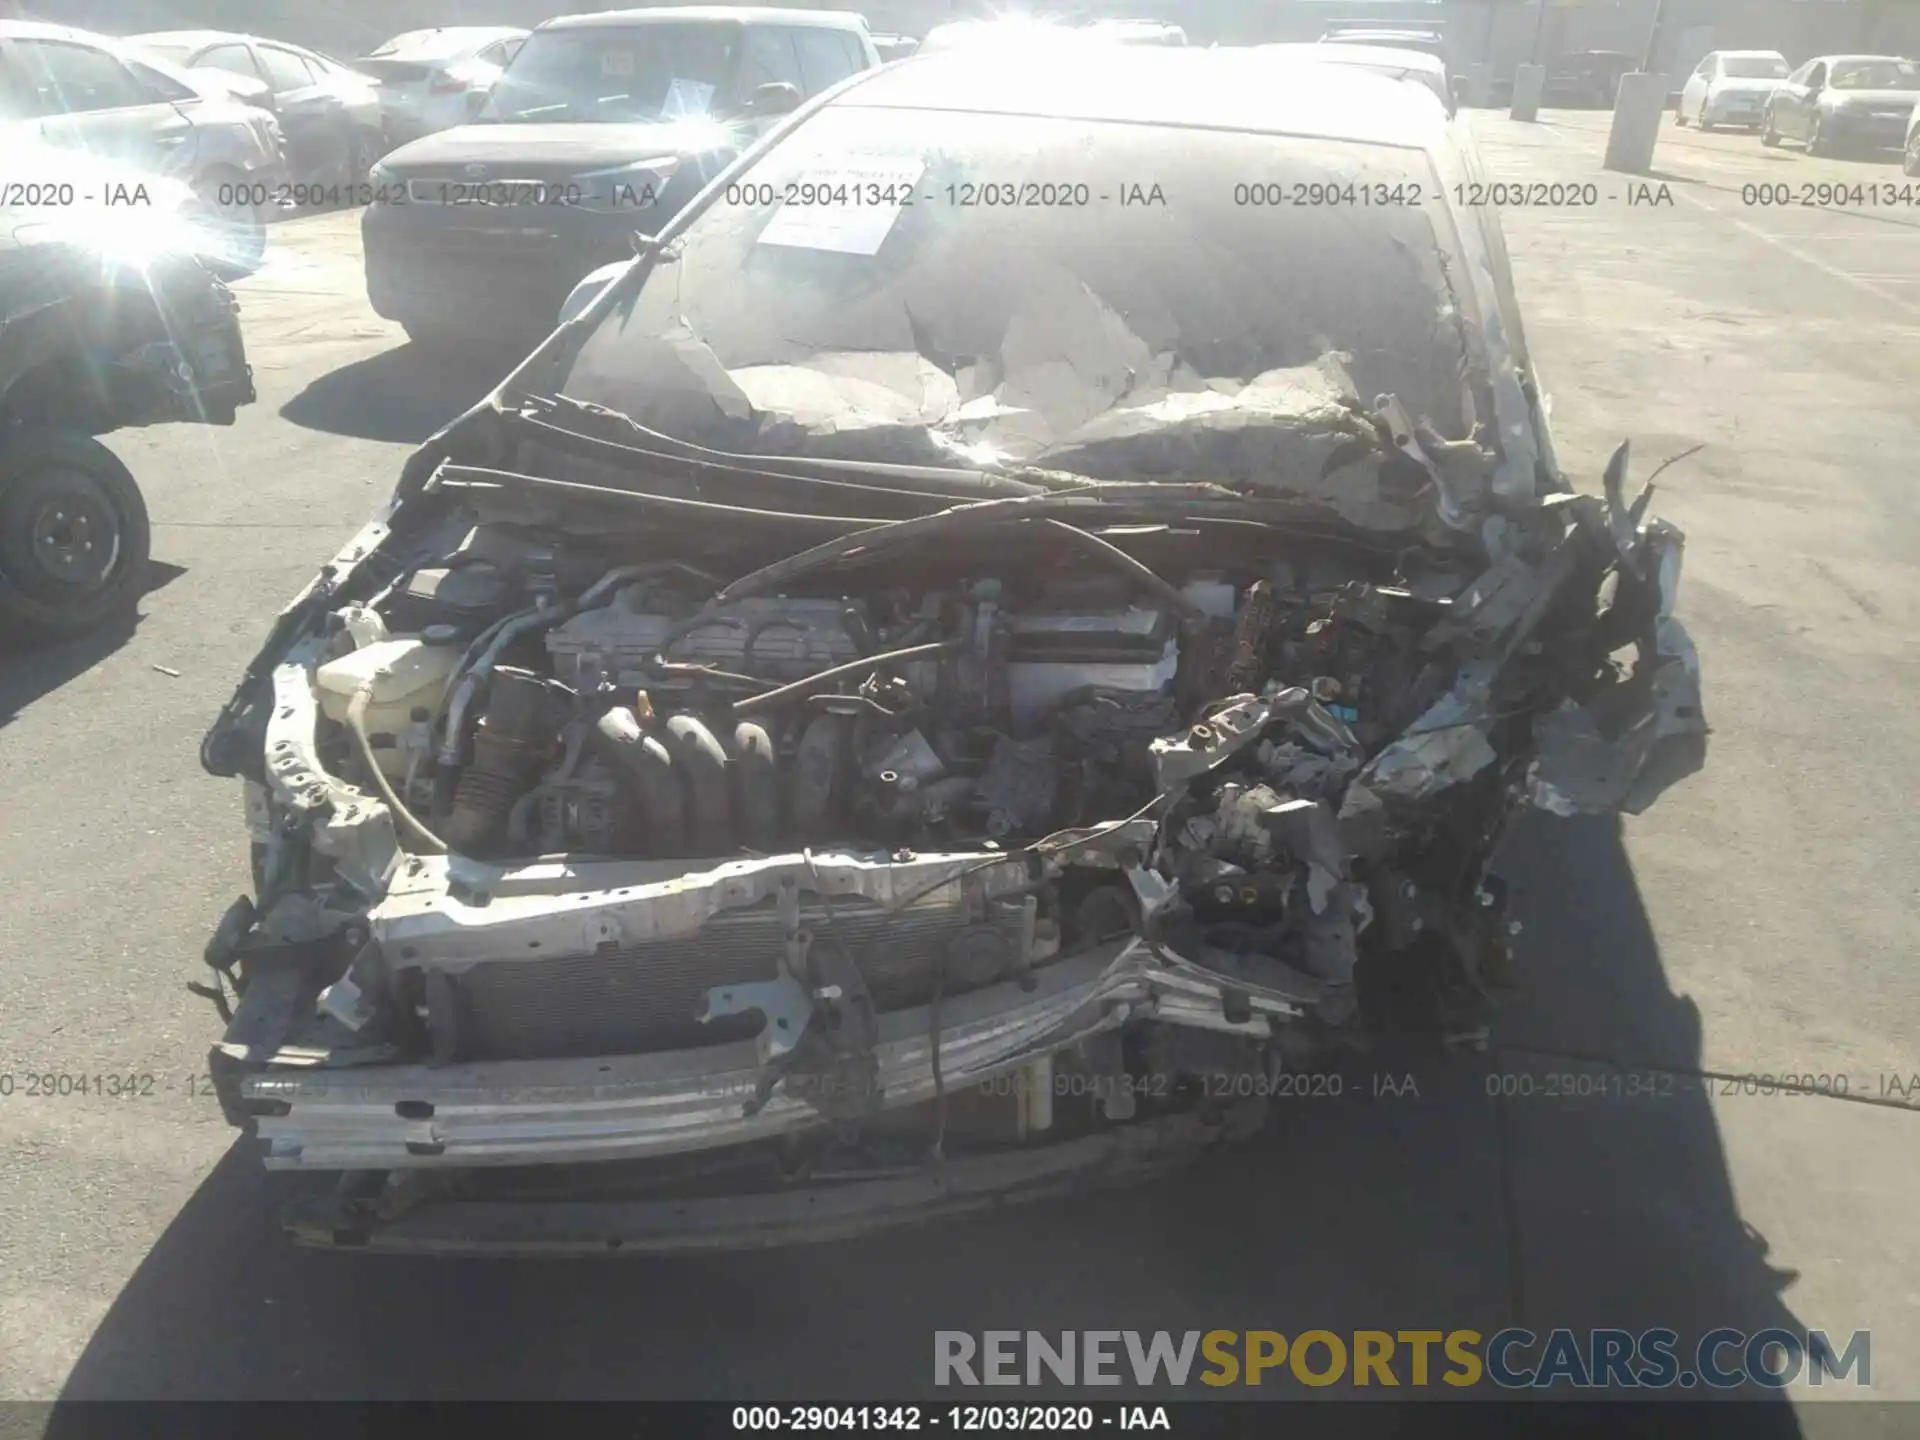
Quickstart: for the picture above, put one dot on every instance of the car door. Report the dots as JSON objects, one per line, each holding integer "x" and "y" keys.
{"x": 826, "y": 58}
{"x": 318, "y": 130}
{"x": 1810, "y": 100}
{"x": 231, "y": 56}
{"x": 499, "y": 54}
{"x": 1693, "y": 94}
{"x": 1789, "y": 102}
{"x": 87, "y": 98}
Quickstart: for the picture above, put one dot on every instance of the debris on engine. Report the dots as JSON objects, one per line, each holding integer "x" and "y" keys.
{"x": 1323, "y": 744}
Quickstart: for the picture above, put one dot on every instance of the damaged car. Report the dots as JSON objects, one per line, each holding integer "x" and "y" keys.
{"x": 114, "y": 313}
{"x": 931, "y": 698}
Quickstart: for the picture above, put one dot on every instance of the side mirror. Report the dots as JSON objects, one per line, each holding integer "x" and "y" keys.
{"x": 776, "y": 98}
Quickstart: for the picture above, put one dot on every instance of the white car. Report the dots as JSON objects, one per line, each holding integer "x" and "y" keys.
{"x": 1910, "y": 162}
{"x": 430, "y": 79}
{"x": 1730, "y": 87}
{"x": 1415, "y": 66}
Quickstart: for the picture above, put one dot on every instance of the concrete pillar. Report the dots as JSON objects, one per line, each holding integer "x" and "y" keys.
{"x": 1637, "y": 110}
{"x": 1529, "y": 81}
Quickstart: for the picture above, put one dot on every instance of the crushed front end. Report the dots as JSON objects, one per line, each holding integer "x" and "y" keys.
{"x": 650, "y": 866}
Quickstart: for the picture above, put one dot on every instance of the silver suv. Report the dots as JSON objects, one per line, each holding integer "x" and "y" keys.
{"x": 82, "y": 91}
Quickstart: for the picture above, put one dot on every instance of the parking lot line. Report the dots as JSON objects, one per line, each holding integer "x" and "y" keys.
{"x": 1846, "y": 277}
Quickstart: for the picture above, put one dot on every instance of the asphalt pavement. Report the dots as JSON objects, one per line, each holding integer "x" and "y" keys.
{"x": 1758, "y": 922}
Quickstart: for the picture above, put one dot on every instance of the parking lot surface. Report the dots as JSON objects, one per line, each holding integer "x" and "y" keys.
{"x": 1759, "y": 922}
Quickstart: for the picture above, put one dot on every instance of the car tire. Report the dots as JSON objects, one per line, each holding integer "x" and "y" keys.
{"x": 1705, "y": 123}
{"x": 1680, "y": 114}
{"x": 1818, "y": 144}
{"x": 74, "y": 535}
{"x": 1769, "y": 136}
{"x": 1910, "y": 161}
{"x": 239, "y": 230}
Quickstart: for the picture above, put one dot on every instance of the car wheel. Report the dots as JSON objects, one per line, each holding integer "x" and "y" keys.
{"x": 1705, "y": 123}
{"x": 1680, "y": 113}
{"x": 74, "y": 535}
{"x": 1910, "y": 162}
{"x": 238, "y": 227}
{"x": 1817, "y": 143}
{"x": 1768, "y": 135}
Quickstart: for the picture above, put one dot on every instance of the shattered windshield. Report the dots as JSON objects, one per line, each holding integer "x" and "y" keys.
{"x": 613, "y": 75}
{"x": 1122, "y": 301}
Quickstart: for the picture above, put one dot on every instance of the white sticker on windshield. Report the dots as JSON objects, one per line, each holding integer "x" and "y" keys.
{"x": 847, "y": 205}
{"x": 686, "y": 100}
{"x": 617, "y": 63}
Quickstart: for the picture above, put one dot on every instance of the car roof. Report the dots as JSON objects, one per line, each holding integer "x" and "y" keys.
{"x": 1395, "y": 32}
{"x": 443, "y": 38}
{"x": 210, "y": 37}
{"x": 41, "y": 30}
{"x": 737, "y": 14}
{"x": 1896, "y": 59}
{"x": 1177, "y": 87}
{"x": 1750, "y": 54}
{"x": 1335, "y": 52}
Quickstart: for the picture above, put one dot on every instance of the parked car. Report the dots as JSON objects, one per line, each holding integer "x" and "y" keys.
{"x": 330, "y": 117}
{"x": 909, "y": 705}
{"x": 1730, "y": 87}
{"x": 80, "y": 91}
{"x": 1910, "y": 159}
{"x": 1836, "y": 102}
{"x": 431, "y": 80}
{"x": 87, "y": 93}
{"x": 1429, "y": 40}
{"x": 1415, "y": 66}
{"x": 108, "y": 318}
{"x": 1019, "y": 32}
{"x": 602, "y": 127}
{"x": 1586, "y": 79}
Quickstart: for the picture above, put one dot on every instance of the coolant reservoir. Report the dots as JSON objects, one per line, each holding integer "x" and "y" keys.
{"x": 406, "y": 674}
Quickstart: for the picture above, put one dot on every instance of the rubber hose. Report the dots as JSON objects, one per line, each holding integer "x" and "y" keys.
{"x": 357, "y": 727}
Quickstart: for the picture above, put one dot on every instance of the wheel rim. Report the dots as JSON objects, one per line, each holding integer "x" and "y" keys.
{"x": 74, "y": 532}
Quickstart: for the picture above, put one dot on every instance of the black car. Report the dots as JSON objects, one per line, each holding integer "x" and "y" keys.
{"x": 1586, "y": 79}
{"x": 109, "y": 317}
{"x": 946, "y": 679}
{"x": 602, "y": 126}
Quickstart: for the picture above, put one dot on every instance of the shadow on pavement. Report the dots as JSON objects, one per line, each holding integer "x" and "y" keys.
{"x": 1426, "y": 1203}
{"x": 402, "y": 395}
{"x": 31, "y": 673}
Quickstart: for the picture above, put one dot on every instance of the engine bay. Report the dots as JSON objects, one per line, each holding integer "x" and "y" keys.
{"x": 1273, "y": 753}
